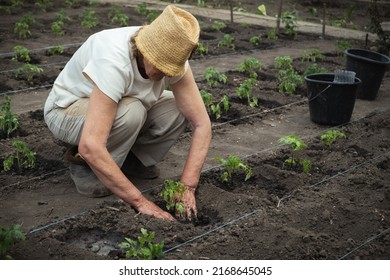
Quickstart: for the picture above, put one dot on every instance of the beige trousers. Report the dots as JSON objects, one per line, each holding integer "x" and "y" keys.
{"x": 148, "y": 134}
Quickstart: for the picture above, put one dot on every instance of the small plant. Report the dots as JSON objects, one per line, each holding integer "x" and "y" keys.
{"x": 245, "y": 90}
{"x": 57, "y": 28}
{"x": 55, "y": 50}
{"x": 24, "y": 157}
{"x": 227, "y": 42}
{"x": 289, "y": 79}
{"x": 330, "y": 136}
{"x": 17, "y": 3}
{"x": 289, "y": 19}
{"x": 9, "y": 122}
{"x": 152, "y": 15}
{"x": 255, "y": 40}
{"x": 116, "y": 15}
{"x": 21, "y": 54}
{"x": 262, "y": 10}
{"x": 250, "y": 65}
{"x": 272, "y": 35}
{"x": 142, "y": 9}
{"x": 43, "y": 5}
{"x": 314, "y": 68}
{"x": 28, "y": 71}
{"x": 8, "y": 238}
{"x": 213, "y": 77}
{"x": 217, "y": 26}
{"x": 295, "y": 145}
{"x": 22, "y": 26}
{"x": 313, "y": 55}
{"x": 231, "y": 165}
{"x": 212, "y": 108}
{"x": 73, "y": 3}
{"x": 62, "y": 16}
{"x": 171, "y": 192}
{"x": 143, "y": 247}
{"x": 342, "y": 45}
{"x": 202, "y": 49}
{"x": 89, "y": 19}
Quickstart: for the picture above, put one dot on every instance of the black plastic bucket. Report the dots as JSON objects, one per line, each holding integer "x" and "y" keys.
{"x": 370, "y": 68}
{"x": 330, "y": 103}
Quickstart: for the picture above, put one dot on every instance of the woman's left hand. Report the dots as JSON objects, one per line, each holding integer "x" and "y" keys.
{"x": 189, "y": 202}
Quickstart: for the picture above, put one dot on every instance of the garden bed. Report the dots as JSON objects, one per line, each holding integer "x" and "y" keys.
{"x": 279, "y": 213}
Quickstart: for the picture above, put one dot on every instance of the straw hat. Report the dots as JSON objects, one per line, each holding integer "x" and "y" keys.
{"x": 169, "y": 40}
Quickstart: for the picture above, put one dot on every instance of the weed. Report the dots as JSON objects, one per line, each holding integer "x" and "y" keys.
{"x": 21, "y": 54}
{"x": 143, "y": 247}
{"x": 330, "y": 136}
{"x": 213, "y": 77}
{"x": 295, "y": 145}
{"x": 24, "y": 157}
{"x": 8, "y": 238}
{"x": 9, "y": 122}
{"x": 231, "y": 165}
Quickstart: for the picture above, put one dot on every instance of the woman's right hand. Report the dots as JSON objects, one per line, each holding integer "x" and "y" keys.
{"x": 145, "y": 206}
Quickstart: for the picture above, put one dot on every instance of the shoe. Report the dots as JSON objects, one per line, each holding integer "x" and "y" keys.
{"x": 133, "y": 167}
{"x": 82, "y": 175}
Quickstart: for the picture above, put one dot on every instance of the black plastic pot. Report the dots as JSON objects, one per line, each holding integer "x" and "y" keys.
{"x": 330, "y": 103}
{"x": 370, "y": 68}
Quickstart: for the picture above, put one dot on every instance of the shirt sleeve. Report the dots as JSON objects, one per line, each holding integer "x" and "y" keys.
{"x": 108, "y": 76}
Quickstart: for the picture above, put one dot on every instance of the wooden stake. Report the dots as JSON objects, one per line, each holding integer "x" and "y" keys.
{"x": 323, "y": 21}
{"x": 279, "y": 16}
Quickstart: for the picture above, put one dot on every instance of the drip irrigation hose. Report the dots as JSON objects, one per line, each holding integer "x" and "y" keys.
{"x": 366, "y": 242}
{"x": 212, "y": 230}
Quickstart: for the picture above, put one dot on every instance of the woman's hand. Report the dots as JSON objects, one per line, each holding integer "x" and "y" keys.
{"x": 189, "y": 202}
{"x": 145, "y": 206}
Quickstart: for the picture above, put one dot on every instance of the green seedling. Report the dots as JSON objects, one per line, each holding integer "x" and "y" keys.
{"x": 116, "y": 15}
{"x": 57, "y": 28}
{"x": 289, "y": 79}
{"x": 21, "y": 54}
{"x": 295, "y": 145}
{"x": 213, "y": 77}
{"x": 152, "y": 15}
{"x": 55, "y": 50}
{"x": 89, "y": 19}
{"x": 62, "y": 16}
{"x": 8, "y": 238}
{"x": 232, "y": 165}
{"x": 43, "y": 5}
{"x": 329, "y": 137}
{"x": 272, "y": 35}
{"x": 171, "y": 192}
{"x": 17, "y": 3}
{"x": 250, "y": 65}
{"x": 22, "y": 26}
{"x": 342, "y": 45}
{"x": 142, "y": 9}
{"x": 9, "y": 122}
{"x": 143, "y": 247}
{"x": 73, "y": 3}
{"x": 255, "y": 40}
{"x": 217, "y": 26}
{"x": 313, "y": 55}
{"x": 289, "y": 19}
{"x": 313, "y": 68}
{"x": 245, "y": 90}
{"x": 215, "y": 108}
{"x": 227, "y": 42}
{"x": 23, "y": 156}
{"x": 200, "y": 3}
{"x": 202, "y": 49}
{"x": 28, "y": 71}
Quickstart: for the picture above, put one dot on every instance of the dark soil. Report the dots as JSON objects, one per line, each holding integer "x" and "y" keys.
{"x": 279, "y": 213}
